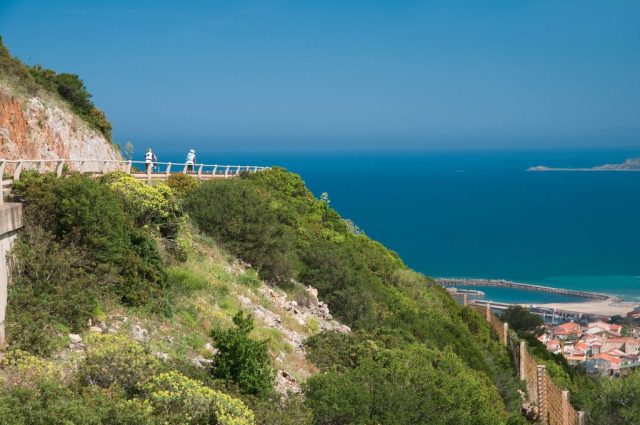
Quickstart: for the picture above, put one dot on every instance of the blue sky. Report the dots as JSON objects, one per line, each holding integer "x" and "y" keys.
{"x": 347, "y": 74}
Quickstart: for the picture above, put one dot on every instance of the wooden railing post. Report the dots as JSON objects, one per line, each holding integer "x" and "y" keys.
{"x": 104, "y": 166}
{"x": 129, "y": 164}
{"x": 505, "y": 333}
{"x": 17, "y": 171}
{"x": 59, "y": 167}
{"x": 465, "y": 300}
{"x": 541, "y": 389}
{"x": 168, "y": 170}
{"x": 226, "y": 171}
{"x": 148, "y": 167}
{"x": 200, "y": 171}
{"x": 487, "y": 312}
{"x": 215, "y": 169}
{"x": 238, "y": 170}
{"x": 3, "y": 164}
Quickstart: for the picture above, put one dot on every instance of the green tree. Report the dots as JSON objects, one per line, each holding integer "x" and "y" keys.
{"x": 520, "y": 319}
{"x": 240, "y": 359}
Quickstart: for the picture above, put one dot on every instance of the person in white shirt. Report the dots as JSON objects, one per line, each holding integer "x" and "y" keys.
{"x": 191, "y": 160}
{"x": 148, "y": 160}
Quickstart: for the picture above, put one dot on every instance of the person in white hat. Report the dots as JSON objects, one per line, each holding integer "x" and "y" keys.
{"x": 191, "y": 160}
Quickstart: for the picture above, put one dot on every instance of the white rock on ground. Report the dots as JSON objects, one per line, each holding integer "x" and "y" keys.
{"x": 75, "y": 338}
{"x": 139, "y": 333}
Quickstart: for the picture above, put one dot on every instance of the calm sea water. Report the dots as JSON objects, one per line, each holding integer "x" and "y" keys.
{"x": 480, "y": 214}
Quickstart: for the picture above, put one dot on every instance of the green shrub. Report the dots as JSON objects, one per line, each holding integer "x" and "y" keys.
{"x": 117, "y": 359}
{"x": 84, "y": 214}
{"x": 52, "y": 403}
{"x": 178, "y": 400}
{"x": 181, "y": 184}
{"x": 72, "y": 89}
{"x": 410, "y": 386}
{"x": 50, "y": 287}
{"x": 242, "y": 220}
{"x": 337, "y": 351}
{"x": 240, "y": 359}
{"x": 520, "y": 319}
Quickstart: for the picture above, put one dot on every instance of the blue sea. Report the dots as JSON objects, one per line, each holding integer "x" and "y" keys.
{"x": 481, "y": 214}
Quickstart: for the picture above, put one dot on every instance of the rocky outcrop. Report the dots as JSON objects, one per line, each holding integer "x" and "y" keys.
{"x": 39, "y": 128}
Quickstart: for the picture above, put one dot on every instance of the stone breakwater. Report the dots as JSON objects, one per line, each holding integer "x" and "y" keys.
{"x": 525, "y": 286}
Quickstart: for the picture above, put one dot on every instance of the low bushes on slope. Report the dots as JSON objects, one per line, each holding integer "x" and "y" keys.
{"x": 271, "y": 218}
{"x": 414, "y": 385}
{"x": 81, "y": 246}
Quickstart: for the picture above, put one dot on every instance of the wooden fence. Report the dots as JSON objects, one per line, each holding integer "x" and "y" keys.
{"x": 550, "y": 402}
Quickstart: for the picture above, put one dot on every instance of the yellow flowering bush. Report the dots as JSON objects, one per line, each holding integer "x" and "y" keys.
{"x": 154, "y": 205}
{"x": 23, "y": 369}
{"x": 180, "y": 400}
{"x": 147, "y": 204}
{"x": 117, "y": 359}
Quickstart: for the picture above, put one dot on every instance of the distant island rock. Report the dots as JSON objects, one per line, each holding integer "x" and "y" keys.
{"x": 631, "y": 164}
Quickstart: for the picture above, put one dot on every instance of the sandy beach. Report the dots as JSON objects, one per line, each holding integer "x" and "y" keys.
{"x": 604, "y": 307}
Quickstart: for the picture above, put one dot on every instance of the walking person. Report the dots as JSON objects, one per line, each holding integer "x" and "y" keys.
{"x": 149, "y": 158}
{"x": 191, "y": 160}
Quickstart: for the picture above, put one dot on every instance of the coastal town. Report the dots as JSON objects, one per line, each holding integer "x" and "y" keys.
{"x": 602, "y": 347}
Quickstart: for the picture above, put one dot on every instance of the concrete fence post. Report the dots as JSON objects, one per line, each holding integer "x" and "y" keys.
{"x": 129, "y": 164}
{"x": 200, "y": 171}
{"x": 226, "y": 172}
{"x": 3, "y": 164}
{"x": 505, "y": 333}
{"x": 465, "y": 300}
{"x": 566, "y": 407}
{"x": 487, "y": 312}
{"x": 582, "y": 420}
{"x": 60, "y": 167}
{"x": 215, "y": 169}
{"x": 105, "y": 168}
{"x": 238, "y": 170}
{"x": 148, "y": 167}
{"x": 17, "y": 171}
{"x": 168, "y": 170}
{"x": 541, "y": 390}
{"x": 523, "y": 358}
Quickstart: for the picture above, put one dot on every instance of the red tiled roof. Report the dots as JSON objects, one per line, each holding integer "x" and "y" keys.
{"x": 569, "y": 326}
{"x": 608, "y": 358}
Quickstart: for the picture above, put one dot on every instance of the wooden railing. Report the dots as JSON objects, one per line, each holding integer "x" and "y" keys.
{"x": 10, "y": 169}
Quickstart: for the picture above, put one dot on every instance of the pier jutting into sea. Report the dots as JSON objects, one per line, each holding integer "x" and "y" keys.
{"x": 445, "y": 281}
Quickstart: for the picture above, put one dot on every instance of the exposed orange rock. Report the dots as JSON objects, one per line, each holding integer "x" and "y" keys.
{"x": 34, "y": 128}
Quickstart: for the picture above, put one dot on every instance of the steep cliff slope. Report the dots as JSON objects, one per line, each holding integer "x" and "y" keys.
{"x": 38, "y": 128}
{"x": 38, "y": 122}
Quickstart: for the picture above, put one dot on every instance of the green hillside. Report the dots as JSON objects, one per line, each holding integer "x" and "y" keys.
{"x": 147, "y": 277}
